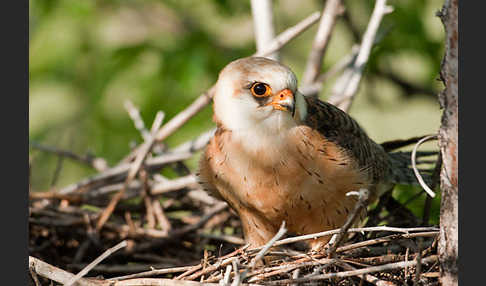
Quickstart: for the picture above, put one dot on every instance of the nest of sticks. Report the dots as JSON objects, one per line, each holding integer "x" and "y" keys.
{"x": 126, "y": 227}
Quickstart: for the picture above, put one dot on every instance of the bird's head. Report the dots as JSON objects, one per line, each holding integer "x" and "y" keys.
{"x": 259, "y": 94}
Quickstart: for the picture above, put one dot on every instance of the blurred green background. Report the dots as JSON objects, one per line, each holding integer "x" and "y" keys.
{"x": 86, "y": 57}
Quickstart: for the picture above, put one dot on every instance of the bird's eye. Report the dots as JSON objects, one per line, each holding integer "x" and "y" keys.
{"x": 259, "y": 89}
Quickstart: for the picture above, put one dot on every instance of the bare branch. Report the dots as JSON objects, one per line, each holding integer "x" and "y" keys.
{"x": 314, "y": 62}
{"x": 345, "y": 89}
{"x": 134, "y": 114}
{"x": 90, "y": 266}
{"x": 290, "y": 33}
{"x": 56, "y": 274}
{"x": 263, "y": 25}
{"x": 386, "y": 267}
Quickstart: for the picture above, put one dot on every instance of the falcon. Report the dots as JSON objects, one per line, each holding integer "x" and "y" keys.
{"x": 279, "y": 156}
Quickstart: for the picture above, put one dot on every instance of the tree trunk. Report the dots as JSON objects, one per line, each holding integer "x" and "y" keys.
{"x": 448, "y": 98}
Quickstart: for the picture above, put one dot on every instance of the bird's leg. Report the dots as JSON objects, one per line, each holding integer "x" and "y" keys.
{"x": 258, "y": 231}
{"x": 256, "y": 228}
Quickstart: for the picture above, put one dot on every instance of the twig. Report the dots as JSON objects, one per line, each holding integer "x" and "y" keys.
{"x": 159, "y": 282}
{"x": 226, "y": 277}
{"x": 95, "y": 262}
{"x": 368, "y": 277}
{"x": 343, "y": 94}
{"x": 134, "y": 114}
{"x": 414, "y": 164}
{"x": 360, "y": 204}
{"x": 263, "y": 28}
{"x": 97, "y": 163}
{"x": 314, "y": 62}
{"x": 361, "y": 229}
{"x": 162, "y": 219}
{"x": 195, "y": 144}
{"x": 236, "y": 279}
{"x": 372, "y": 269}
{"x": 174, "y": 184}
{"x": 290, "y": 33}
{"x": 315, "y": 87}
{"x": 132, "y": 172}
{"x": 385, "y": 239}
{"x": 154, "y": 272}
{"x": 56, "y": 274}
{"x": 119, "y": 172}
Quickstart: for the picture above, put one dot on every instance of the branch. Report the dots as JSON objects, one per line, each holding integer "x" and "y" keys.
{"x": 95, "y": 162}
{"x": 332, "y": 9}
{"x": 57, "y": 274}
{"x": 90, "y": 266}
{"x": 347, "y": 86}
{"x": 263, "y": 25}
{"x": 386, "y": 267}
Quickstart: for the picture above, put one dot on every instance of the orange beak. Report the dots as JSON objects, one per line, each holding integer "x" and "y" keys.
{"x": 284, "y": 100}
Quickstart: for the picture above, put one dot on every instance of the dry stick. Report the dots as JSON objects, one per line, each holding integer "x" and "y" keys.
{"x": 132, "y": 172}
{"x": 162, "y": 219}
{"x": 154, "y": 272}
{"x": 195, "y": 144}
{"x": 360, "y": 204}
{"x": 361, "y": 229}
{"x": 147, "y": 199}
{"x": 122, "y": 170}
{"x": 222, "y": 261}
{"x": 290, "y": 33}
{"x": 343, "y": 98}
{"x": 315, "y": 87}
{"x": 414, "y": 164}
{"x": 134, "y": 114}
{"x": 287, "y": 268}
{"x": 159, "y": 282}
{"x": 97, "y": 163}
{"x": 368, "y": 277}
{"x": 178, "y": 232}
{"x": 90, "y": 266}
{"x": 314, "y": 62}
{"x": 174, "y": 184}
{"x": 385, "y": 267}
{"x": 56, "y": 274}
{"x": 262, "y": 14}
{"x": 385, "y": 239}
{"x": 226, "y": 277}
{"x": 236, "y": 279}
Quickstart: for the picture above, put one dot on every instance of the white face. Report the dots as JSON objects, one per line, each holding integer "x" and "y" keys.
{"x": 239, "y": 108}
